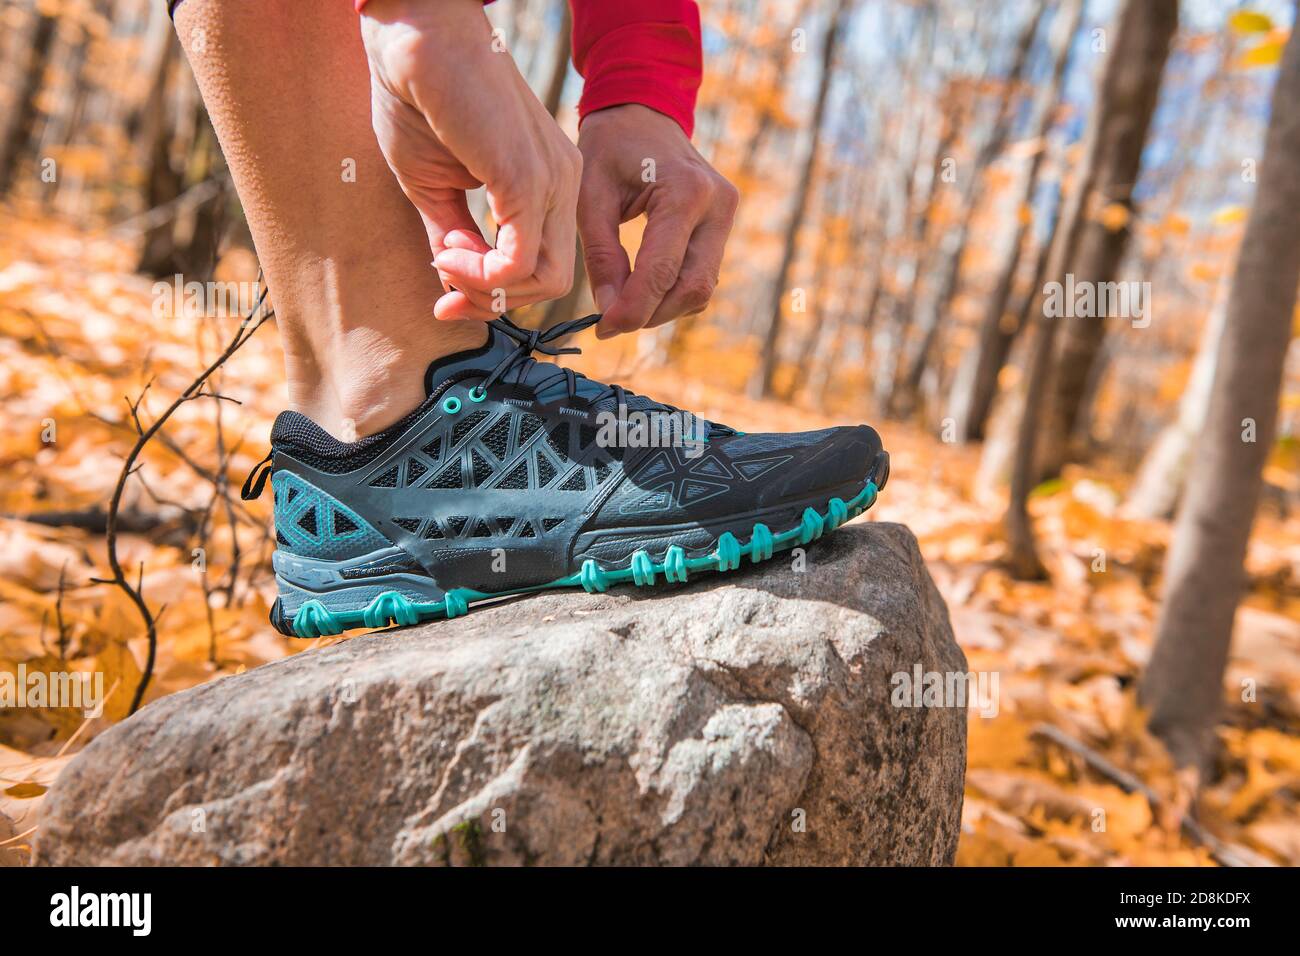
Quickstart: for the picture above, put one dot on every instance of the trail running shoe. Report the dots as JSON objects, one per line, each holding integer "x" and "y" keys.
{"x": 516, "y": 475}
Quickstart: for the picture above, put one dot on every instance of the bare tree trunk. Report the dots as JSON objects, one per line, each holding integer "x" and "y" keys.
{"x": 918, "y": 214}
{"x": 898, "y": 163}
{"x": 1102, "y": 248}
{"x": 163, "y": 182}
{"x": 748, "y": 164}
{"x": 17, "y": 129}
{"x": 1204, "y": 573}
{"x": 761, "y": 384}
{"x": 998, "y": 454}
{"x": 822, "y": 298}
{"x": 64, "y": 99}
{"x": 1160, "y": 479}
{"x": 977, "y": 382}
{"x": 937, "y": 302}
{"x": 1116, "y": 135}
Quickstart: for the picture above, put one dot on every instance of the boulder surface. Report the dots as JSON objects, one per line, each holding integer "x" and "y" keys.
{"x": 743, "y": 718}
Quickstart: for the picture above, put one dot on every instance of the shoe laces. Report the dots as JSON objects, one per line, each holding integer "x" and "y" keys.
{"x": 520, "y": 362}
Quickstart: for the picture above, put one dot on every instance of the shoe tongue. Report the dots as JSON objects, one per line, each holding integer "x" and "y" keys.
{"x": 491, "y": 354}
{"x": 498, "y": 345}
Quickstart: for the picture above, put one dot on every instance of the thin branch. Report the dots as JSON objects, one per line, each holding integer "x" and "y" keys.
{"x": 58, "y": 614}
{"x": 194, "y": 390}
{"x": 1227, "y": 854}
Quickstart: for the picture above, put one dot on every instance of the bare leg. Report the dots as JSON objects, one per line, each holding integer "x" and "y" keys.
{"x": 345, "y": 254}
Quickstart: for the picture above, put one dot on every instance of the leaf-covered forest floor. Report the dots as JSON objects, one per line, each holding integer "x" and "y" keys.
{"x": 1053, "y": 766}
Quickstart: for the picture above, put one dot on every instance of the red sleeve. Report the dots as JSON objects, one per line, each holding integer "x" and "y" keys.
{"x": 646, "y": 52}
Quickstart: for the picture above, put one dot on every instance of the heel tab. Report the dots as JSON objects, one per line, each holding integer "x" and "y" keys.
{"x": 256, "y": 480}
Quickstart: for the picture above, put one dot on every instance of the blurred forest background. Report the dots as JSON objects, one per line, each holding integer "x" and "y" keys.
{"x": 914, "y": 173}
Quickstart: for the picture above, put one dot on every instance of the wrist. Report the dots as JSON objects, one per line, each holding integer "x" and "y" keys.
{"x": 635, "y": 119}
{"x": 423, "y": 47}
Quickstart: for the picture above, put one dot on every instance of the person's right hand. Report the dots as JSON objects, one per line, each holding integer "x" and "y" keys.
{"x": 452, "y": 113}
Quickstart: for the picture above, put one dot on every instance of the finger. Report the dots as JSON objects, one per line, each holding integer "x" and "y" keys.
{"x": 514, "y": 260}
{"x": 559, "y": 251}
{"x": 454, "y": 265}
{"x": 455, "y": 306}
{"x": 599, "y": 214}
{"x": 509, "y": 265}
{"x": 658, "y": 264}
{"x": 468, "y": 268}
{"x": 498, "y": 301}
{"x": 454, "y": 303}
{"x": 700, "y": 268}
{"x": 464, "y": 239}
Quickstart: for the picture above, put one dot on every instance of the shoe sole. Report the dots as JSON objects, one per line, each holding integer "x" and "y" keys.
{"x": 313, "y": 619}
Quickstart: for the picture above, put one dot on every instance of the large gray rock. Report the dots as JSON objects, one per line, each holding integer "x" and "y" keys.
{"x": 744, "y": 719}
{"x": 9, "y": 854}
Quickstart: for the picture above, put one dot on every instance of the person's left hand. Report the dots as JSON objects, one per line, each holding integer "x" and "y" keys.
{"x": 636, "y": 160}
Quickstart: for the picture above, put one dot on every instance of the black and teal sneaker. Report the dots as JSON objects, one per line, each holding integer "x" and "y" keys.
{"x": 514, "y": 475}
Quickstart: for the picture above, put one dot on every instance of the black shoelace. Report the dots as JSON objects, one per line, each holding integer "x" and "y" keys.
{"x": 520, "y": 361}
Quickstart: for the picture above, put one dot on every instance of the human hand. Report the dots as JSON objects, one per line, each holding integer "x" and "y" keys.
{"x": 689, "y": 210}
{"x": 452, "y": 113}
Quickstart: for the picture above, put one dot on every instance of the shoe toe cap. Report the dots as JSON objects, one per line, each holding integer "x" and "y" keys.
{"x": 834, "y": 458}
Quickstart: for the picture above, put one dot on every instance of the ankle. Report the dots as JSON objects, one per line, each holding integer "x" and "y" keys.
{"x": 367, "y": 379}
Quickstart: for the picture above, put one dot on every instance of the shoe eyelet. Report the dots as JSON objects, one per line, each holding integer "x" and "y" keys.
{"x": 451, "y": 404}
{"x": 477, "y": 394}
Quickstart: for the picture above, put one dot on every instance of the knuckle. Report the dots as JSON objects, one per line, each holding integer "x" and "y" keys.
{"x": 727, "y": 196}
{"x": 566, "y": 170}
{"x": 696, "y": 292}
{"x": 697, "y": 187}
{"x": 661, "y": 275}
{"x": 601, "y": 257}
{"x": 554, "y": 283}
{"x": 573, "y": 158}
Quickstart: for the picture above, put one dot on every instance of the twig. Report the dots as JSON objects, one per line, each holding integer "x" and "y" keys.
{"x": 199, "y": 193}
{"x": 17, "y": 837}
{"x": 167, "y": 442}
{"x": 194, "y": 390}
{"x": 1227, "y": 854}
{"x": 94, "y": 520}
{"x": 58, "y": 615}
{"x": 222, "y": 489}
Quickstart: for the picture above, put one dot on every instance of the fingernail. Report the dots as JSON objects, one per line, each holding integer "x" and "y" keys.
{"x": 605, "y": 296}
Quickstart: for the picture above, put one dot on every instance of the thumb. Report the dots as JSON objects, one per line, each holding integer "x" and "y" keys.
{"x": 599, "y": 215}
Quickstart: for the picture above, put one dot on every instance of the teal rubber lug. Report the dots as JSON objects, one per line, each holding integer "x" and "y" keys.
{"x": 643, "y": 569}
{"x": 455, "y": 603}
{"x": 761, "y": 543}
{"x": 390, "y": 606}
{"x": 728, "y": 553}
{"x": 592, "y": 578}
{"x": 811, "y": 526}
{"x": 675, "y": 564}
{"x": 314, "y": 619}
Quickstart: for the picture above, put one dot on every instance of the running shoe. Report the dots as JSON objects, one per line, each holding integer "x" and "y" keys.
{"x": 518, "y": 475}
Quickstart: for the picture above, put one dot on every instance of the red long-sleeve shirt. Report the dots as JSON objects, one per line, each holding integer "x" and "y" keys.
{"x": 646, "y": 52}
